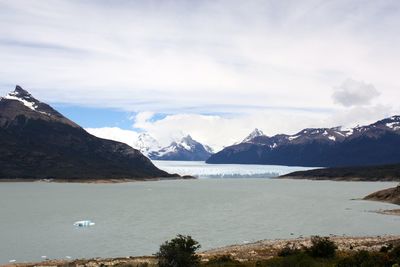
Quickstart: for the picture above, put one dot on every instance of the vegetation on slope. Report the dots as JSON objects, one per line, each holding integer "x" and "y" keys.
{"x": 363, "y": 173}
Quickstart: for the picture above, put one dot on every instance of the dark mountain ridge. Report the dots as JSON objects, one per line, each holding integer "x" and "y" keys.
{"x": 374, "y": 144}
{"x": 390, "y": 172}
{"x": 37, "y": 142}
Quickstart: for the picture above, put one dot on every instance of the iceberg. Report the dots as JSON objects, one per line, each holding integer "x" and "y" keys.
{"x": 84, "y": 223}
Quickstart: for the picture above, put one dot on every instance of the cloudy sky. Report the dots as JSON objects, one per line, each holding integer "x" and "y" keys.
{"x": 212, "y": 69}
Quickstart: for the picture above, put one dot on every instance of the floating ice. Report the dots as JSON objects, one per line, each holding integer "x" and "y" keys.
{"x": 84, "y": 223}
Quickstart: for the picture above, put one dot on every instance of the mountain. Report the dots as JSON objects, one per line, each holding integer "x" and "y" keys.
{"x": 38, "y": 142}
{"x": 146, "y": 144}
{"x": 320, "y": 147}
{"x": 255, "y": 133}
{"x": 186, "y": 149}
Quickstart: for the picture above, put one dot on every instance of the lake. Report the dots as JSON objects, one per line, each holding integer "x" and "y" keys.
{"x": 135, "y": 218}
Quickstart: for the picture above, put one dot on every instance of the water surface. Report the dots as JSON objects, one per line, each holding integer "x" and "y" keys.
{"x": 135, "y": 218}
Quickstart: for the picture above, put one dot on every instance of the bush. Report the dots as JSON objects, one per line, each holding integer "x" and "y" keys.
{"x": 386, "y": 248}
{"x": 179, "y": 252}
{"x": 394, "y": 254}
{"x": 300, "y": 259}
{"x": 289, "y": 249}
{"x": 322, "y": 247}
{"x": 223, "y": 261}
{"x": 365, "y": 259}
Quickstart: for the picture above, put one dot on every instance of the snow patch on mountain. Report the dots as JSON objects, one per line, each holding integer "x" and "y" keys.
{"x": 393, "y": 125}
{"x": 293, "y": 137}
{"x": 209, "y": 149}
{"x": 146, "y": 143}
{"x": 13, "y": 96}
{"x": 255, "y": 133}
{"x": 332, "y": 138}
{"x": 25, "y": 98}
{"x": 185, "y": 149}
{"x": 166, "y": 150}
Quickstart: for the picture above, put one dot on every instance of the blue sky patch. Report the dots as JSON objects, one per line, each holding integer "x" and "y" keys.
{"x": 89, "y": 117}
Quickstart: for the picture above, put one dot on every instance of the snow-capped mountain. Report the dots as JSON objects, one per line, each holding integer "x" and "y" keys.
{"x": 255, "y": 133}
{"x": 33, "y": 108}
{"x": 391, "y": 124}
{"x": 37, "y": 142}
{"x": 376, "y": 143}
{"x": 146, "y": 143}
{"x": 184, "y": 149}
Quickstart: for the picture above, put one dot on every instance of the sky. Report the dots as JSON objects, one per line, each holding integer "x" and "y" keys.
{"x": 212, "y": 69}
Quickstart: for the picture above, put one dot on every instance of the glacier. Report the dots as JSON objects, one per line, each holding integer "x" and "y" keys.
{"x": 200, "y": 169}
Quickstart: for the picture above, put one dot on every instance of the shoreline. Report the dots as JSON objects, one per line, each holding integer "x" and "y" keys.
{"x": 265, "y": 249}
{"x": 184, "y": 177}
{"x": 259, "y": 250}
{"x": 337, "y": 179}
{"x": 393, "y": 212}
{"x": 95, "y": 181}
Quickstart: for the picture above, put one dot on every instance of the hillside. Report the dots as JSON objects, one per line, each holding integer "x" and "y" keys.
{"x": 363, "y": 173}
{"x": 37, "y": 142}
{"x": 390, "y": 195}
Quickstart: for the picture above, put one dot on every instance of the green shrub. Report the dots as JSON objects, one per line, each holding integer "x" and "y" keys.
{"x": 386, "y": 248}
{"x": 394, "y": 254}
{"x": 322, "y": 247}
{"x": 289, "y": 249}
{"x": 300, "y": 259}
{"x": 223, "y": 261}
{"x": 365, "y": 259}
{"x": 179, "y": 252}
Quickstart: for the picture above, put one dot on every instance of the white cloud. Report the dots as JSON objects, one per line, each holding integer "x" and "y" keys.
{"x": 354, "y": 93}
{"x": 114, "y": 133}
{"x": 174, "y": 57}
{"x": 360, "y": 115}
{"x": 265, "y": 64}
{"x": 219, "y": 131}
{"x": 142, "y": 118}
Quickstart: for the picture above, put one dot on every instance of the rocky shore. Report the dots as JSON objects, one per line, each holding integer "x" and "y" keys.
{"x": 269, "y": 248}
{"x": 259, "y": 250}
{"x": 390, "y": 195}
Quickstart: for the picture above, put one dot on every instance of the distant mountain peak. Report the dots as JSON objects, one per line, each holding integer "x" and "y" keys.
{"x": 146, "y": 143}
{"x": 255, "y": 133}
{"x": 187, "y": 138}
{"x": 21, "y": 102}
{"x": 20, "y": 91}
{"x": 184, "y": 149}
{"x": 24, "y": 97}
{"x": 187, "y": 141}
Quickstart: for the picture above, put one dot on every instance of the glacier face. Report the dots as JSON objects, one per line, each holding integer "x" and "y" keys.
{"x": 200, "y": 169}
